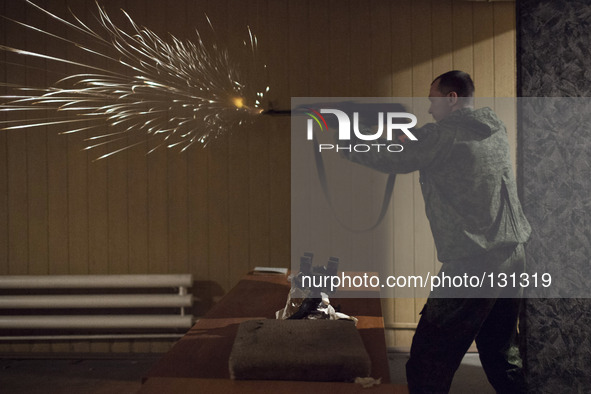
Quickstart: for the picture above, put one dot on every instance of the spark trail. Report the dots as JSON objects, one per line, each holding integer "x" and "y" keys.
{"x": 171, "y": 93}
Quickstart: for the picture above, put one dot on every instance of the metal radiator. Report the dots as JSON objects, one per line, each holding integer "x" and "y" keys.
{"x": 38, "y": 293}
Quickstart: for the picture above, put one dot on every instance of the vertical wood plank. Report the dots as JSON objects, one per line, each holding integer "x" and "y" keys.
{"x": 37, "y": 156}
{"x": 177, "y": 171}
{"x": 321, "y": 236}
{"x": 504, "y": 48}
{"x": 117, "y": 172}
{"x": 117, "y": 190}
{"x": 244, "y": 227}
{"x": 101, "y": 211}
{"x": 16, "y": 162}
{"x": 78, "y": 201}
{"x": 57, "y": 171}
{"x": 463, "y": 54}
{"x": 401, "y": 48}
{"x": 87, "y": 188}
{"x": 4, "y": 233}
{"x": 396, "y": 308}
{"x": 298, "y": 69}
{"x": 57, "y": 160}
{"x": 381, "y": 55}
{"x": 256, "y": 160}
{"x": 18, "y": 253}
{"x": 198, "y": 192}
{"x": 137, "y": 197}
{"x": 484, "y": 65}
{"x": 441, "y": 12}
{"x": 341, "y": 181}
{"x": 259, "y": 172}
{"x": 277, "y": 36}
{"x": 505, "y": 64}
{"x": 218, "y": 179}
{"x": 156, "y": 20}
{"x": 36, "y": 163}
{"x": 422, "y": 77}
{"x": 360, "y": 82}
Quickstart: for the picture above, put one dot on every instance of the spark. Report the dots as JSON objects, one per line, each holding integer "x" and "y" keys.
{"x": 176, "y": 92}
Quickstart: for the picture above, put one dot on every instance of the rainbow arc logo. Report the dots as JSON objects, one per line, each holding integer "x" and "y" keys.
{"x": 318, "y": 118}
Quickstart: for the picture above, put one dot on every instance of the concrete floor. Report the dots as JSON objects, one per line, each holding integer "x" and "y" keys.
{"x": 122, "y": 376}
{"x": 98, "y": 376}
{"x": 469, "y": 378}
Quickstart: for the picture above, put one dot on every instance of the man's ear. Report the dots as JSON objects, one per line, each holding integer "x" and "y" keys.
{"x": 452, "y": 98}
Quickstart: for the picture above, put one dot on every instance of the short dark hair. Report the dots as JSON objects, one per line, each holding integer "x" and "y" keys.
{"x": 456, "y": 81}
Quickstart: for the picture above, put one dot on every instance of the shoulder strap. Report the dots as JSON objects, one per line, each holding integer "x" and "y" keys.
{"x": 324, "y": 184}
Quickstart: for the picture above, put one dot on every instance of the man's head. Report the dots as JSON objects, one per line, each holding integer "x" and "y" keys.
{"x": 449, "y": 92}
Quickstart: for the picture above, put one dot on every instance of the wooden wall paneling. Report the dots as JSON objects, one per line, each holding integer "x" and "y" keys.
{"x": 78, "y": 190}
{"x": 57, "y": 166}
{"x": 505, "y": 64}
{"x": 137, "y": 194}
{"x": 279, "y": 193}
{"x": 245, "y": 228}
{"x": 357, "y": 19}
{"x": 177, "y": 169}
{"x": 36, "y": 181}
{"x": 463, "y": 55}
{"x": 298, "y": 70}
{"x": 483, "y": 35}
{"x": 381, "y": 71}
{"x": 442, "y": 33}
{"x": 18, "y": 253}
{"x": 381, "y": 55}
{"x": 401, "y": 46}
{"x": 4, "y": 243}
{"x": 137, "y": 186}
{"x": 322, "y": 241}
{"x": 197, "y": 192}
{"x": 101, "y": 229}
{"x": 4, "y": 183}
{"x": 442, "y": 36}
{"x": 338, "y": 54}
{"x": 275, "y": 47}
{"x": 117, "y": 189}
{"x": 117, "y": 200}
{"x": 322, "y": 235}
{"x": 258, "y": 166}
{"x": 504, "y": 48}
{"x": 102, "y": 226}
{"x": 396, "y": 306}
{"x": 299, "y": 38}
{"x": 156, "y": 20}
{"x": 37, "y": 155}
{"x": 359, "y": 85}
{"x": 87, "y": 197}
{"x": 18, "y": 225}
{"x": 218, "y": 180}
{"x": 159, "y": 202}
{"x": 57, "y": 159}
{"x": 422, "y": 77}
{"x": 403, "y": 207}
{"x": 98, "y": 213}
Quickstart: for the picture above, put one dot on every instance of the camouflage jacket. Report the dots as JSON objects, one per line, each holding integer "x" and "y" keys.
{"x": 467, "y": 182}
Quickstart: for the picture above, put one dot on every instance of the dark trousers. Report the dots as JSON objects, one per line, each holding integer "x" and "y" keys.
{"x": 449, "y": 325}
